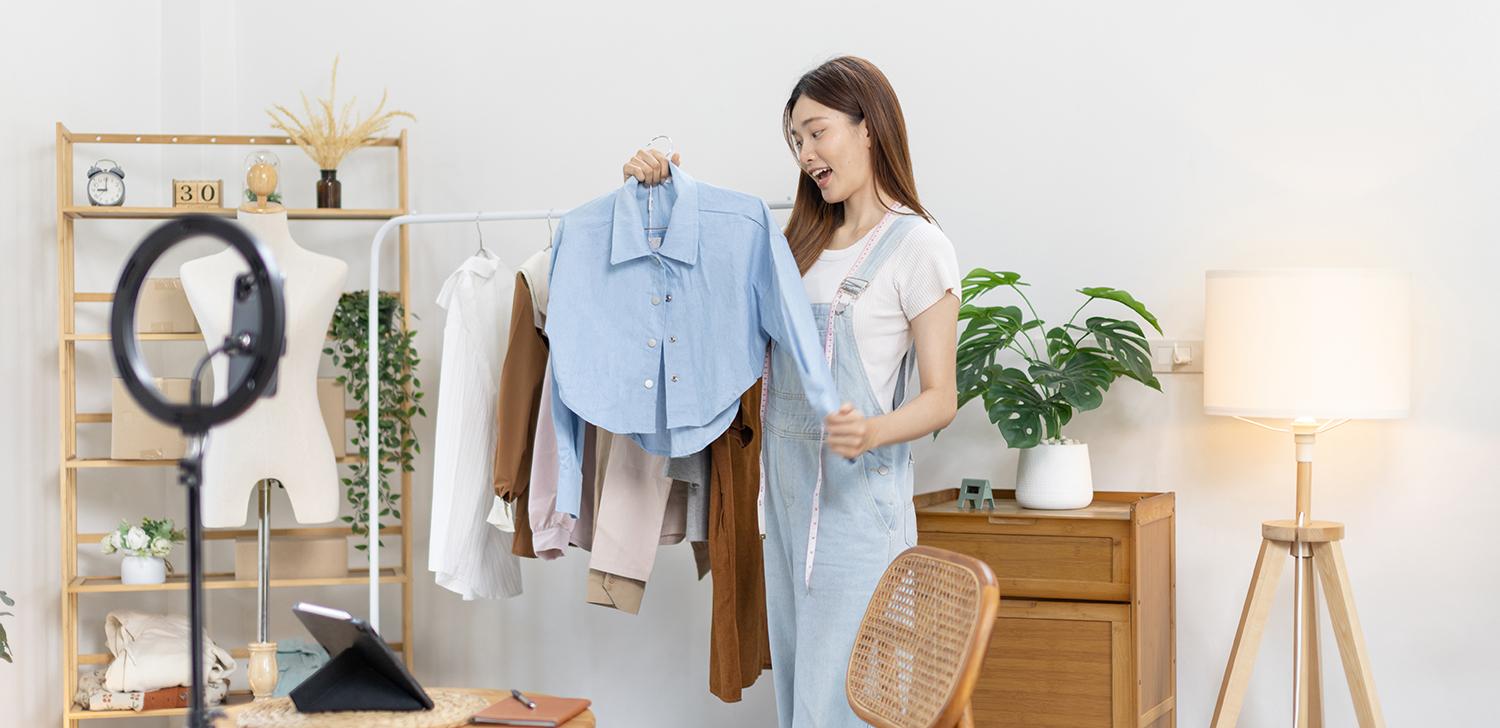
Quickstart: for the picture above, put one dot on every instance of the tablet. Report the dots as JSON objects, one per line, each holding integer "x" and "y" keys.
{"x": 363, "y": 672}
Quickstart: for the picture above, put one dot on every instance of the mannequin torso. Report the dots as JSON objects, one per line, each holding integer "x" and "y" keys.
{"x": 281, "y": 437}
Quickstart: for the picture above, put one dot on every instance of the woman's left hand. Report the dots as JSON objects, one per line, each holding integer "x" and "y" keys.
{"x": 850, "y": 433}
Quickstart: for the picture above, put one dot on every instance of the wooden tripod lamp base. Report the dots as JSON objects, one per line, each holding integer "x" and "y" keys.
{"x": 1315, "y": 547}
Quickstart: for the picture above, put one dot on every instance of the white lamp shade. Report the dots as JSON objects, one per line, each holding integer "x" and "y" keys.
{"x": 1319, "y": 344}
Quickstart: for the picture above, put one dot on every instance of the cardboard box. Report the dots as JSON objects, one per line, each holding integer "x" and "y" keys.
{"x": 135, "y": 435}
{"x": 163, "y": 308}
{"x": 294, "y": 557}
{"x": 331, "y": 403}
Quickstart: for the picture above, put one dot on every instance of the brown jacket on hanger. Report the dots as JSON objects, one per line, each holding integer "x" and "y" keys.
{"x": 739, "y": 644}
{"x": 516, "y": 413}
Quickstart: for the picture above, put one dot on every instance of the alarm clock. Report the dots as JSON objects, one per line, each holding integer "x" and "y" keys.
{"x": 106, "y": 184}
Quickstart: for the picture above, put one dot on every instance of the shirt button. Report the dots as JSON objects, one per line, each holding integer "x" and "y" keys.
{"x": 651, "y": 343}
{"x": 669, "y": 298}
{"x": 674, "y": 377}
{"x": 649, "y": 384}
{"x": 655, "y": 300}
{"x": 883, "y": 470}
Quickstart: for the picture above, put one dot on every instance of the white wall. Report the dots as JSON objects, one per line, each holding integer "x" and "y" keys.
{"x": 1131, "y": 145}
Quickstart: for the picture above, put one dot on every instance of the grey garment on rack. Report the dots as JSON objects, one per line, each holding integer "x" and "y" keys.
{"x": 693, "y": 471}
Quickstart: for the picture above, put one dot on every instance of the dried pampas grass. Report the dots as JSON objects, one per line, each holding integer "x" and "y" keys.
{"x": 327, "y": 138}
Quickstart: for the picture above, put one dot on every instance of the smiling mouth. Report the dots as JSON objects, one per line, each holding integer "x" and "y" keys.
{"x": 821, "y": 174}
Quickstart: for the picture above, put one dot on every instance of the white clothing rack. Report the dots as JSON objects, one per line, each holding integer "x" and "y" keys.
{"x": 372, "y": 469}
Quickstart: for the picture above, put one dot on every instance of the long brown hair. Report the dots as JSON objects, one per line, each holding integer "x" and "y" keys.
{"x": 857, "y": 88}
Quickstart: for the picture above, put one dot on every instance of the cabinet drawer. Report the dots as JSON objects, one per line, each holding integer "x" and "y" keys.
{"x": 1041, "y": 559}
{"x": 1056, "y": 665}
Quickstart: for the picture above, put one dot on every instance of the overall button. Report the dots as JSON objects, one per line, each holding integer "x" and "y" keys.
{"x": 883, "y": 470}
{"x": 651, "y": 343}
{"x": 649, "y": 384}
{"x": 672, "y": 339}
{"x": 669, "y": 298}
{"x": 655, "y": 300}
{"x": 674, "y": 377}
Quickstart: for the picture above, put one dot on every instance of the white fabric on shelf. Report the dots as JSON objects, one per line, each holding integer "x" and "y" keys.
{"x": 470, "y": 557}
{"x": 151, "y": 652}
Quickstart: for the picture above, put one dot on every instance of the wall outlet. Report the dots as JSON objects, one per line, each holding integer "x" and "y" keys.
{"x": 1176, "y": 356}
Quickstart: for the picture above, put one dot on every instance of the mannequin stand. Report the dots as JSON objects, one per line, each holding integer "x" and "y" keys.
{"x": 263, "y": 672}
{"x": 1315, "y": 546}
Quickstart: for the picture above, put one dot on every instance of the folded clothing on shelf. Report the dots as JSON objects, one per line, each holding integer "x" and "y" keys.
{"x": 92, "y": 695}
{"x": 151, "y": 651}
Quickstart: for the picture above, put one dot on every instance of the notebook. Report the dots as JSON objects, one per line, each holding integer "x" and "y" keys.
{"x": 550, "y": 712}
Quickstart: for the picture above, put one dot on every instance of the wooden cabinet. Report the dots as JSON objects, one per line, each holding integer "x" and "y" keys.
{"x": 1087, "y": 627}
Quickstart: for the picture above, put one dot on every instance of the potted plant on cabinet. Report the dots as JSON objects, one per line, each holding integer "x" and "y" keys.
{"x": 1069, "y": 373}
{"x": 147, "y": 547}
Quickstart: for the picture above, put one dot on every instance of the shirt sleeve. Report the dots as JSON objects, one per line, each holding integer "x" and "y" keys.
{"x": 570, "y": 436}
{"x": 786, "y": 316}
{"x": 927, "y": 271}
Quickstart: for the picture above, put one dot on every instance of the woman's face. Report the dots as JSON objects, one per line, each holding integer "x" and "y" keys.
{"x": 831, "y": 149}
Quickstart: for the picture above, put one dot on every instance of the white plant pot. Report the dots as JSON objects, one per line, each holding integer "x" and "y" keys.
{"x": 143, "y": 570}
{"x": 1054, "y": 477}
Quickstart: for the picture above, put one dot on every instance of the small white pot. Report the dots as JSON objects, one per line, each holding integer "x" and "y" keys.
{"x": 143, "y": 570}
{"x": 1054, "y": 477}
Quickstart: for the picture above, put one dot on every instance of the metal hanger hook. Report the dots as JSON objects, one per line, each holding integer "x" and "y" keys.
{"x": 480, "y": 230}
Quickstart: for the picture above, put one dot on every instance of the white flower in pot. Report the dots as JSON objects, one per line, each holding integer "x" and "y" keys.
{"x": 1030, "y": 406}
{"x": 146, "y": 546}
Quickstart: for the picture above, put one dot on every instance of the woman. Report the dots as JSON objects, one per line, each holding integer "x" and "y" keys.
{"x": 858, "y": 233}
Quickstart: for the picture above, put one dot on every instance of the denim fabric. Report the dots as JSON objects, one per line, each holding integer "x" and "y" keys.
{"x": 657, "y": 340}
{"x": 866, "y": 519}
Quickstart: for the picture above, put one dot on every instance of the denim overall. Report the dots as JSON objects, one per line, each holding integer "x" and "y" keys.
{"x": 866, "y": 516}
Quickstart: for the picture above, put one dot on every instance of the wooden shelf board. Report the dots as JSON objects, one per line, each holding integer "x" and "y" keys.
{"x": 239, "y": 653}
{"x": 77, "y": 463}
{"x": 104, "y": 418}
{"x": 139, "y": 336}
{"x": 92, "y": 212}
{"x": 90, "y": 540}
{"x": 79, "y": 137}
{"x": 90, "y": 584}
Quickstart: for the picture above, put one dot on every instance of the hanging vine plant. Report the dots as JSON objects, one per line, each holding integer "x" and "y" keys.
{"x": 400, "y": 400}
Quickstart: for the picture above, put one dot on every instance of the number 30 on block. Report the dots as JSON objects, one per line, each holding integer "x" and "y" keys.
{"x": 197, "y": 193}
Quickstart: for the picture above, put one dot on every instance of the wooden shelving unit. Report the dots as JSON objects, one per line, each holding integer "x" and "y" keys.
{"x": 68, "y": 337}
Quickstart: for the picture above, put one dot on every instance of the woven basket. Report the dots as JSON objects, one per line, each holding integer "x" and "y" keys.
{"x": 450, "y": 709}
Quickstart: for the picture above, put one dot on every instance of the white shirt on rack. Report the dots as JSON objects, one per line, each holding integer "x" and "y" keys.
{"x": 919, "y": 273}
{"x": 470, "y": 557}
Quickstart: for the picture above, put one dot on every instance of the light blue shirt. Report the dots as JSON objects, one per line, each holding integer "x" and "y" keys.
{"x": 657, "y": 339}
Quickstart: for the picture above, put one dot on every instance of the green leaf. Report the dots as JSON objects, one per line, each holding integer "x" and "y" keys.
{"x": 980, "y": 280}
{"x": 7, "y": 600}
{"x": 1018, "y": 409}
{"x": 1081, "y": 381}
{"x": 1119, "y": 296}
{"x": 1126, "y": 343}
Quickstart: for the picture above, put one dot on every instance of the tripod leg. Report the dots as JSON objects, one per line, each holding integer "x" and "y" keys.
{"x": 1329, "y": 559}
{"x": 1311, "y": 712}
{"x": 1263, "y": 583}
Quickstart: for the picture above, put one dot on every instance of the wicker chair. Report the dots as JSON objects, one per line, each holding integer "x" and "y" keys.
{"x": 923, "y": 639}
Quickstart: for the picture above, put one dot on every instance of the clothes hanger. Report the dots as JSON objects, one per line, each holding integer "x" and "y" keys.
{"x": 480, "y": 230}
{"x": 549, "y": 229}
{"x": 651, "y": 191}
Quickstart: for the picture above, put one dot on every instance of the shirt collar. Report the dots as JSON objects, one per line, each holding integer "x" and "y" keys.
{"x": 628, "y": 240}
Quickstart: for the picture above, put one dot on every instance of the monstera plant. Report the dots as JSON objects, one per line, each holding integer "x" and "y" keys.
{"x": 1063, "y": 369}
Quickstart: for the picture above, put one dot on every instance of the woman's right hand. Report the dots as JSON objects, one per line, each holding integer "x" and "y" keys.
{"x": 650, "y": 166}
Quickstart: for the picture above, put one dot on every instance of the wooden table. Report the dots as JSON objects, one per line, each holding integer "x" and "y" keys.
{"x": 586, "y": 720}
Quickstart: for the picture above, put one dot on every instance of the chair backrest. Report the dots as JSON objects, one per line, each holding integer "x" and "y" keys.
{"x": 924, "y": 636}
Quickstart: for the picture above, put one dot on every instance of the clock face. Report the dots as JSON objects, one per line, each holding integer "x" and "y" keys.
{"x": 106, "y": 189}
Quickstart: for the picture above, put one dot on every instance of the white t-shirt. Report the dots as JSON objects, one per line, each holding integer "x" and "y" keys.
{"x": 922, "y": 269}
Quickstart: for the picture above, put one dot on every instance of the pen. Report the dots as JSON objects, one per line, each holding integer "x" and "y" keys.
{"x": 524, "y": 700}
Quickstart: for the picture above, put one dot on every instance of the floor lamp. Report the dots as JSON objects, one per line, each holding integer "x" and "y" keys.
{"x": 1302, "y": 352}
